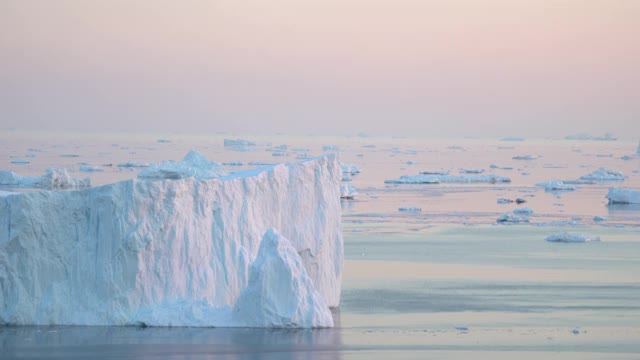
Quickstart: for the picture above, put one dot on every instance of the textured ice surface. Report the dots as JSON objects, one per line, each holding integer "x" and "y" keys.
{"x": 194, "y": 165}
{"x": 127, "y": 252}
{"x": 623, "y": 196}
{"x": 459, "y": 179}
{"x": 53, "y": 179}
{"x": 571, "y": 237}
{"x": 347, "y": 191}
{"x": 604, "y": 174}
{"x": 280, "y": 293}
{"x": 510, "y": 217}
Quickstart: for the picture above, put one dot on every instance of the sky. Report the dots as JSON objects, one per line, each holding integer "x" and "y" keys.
{"x": 479, "y": 68}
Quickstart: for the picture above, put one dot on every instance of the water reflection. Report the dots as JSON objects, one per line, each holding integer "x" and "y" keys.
{"x": 101, "y": 342}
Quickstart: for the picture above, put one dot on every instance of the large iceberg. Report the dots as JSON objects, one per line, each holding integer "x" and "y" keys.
{"x": 623, "y": 196}
{"x": 53, "y": 179}
{"x": 165, "y": 252}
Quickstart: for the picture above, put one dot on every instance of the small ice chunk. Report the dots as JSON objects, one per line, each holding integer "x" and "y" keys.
{"x": 575, "y": 331}
{"x": 232, "y": 163}
{"x": 280, "y": 293}
{"x": 471, "y": 171}
{"x": 329, "y": 148}
{"x": 604, "y": 174}
{"x": 238, "y": 142}
{"x": 410, "y": 209}
{"x": 132, "y": 164}
{"x": 512, "y": 138}
{"x": 435, "y": 172}
{"x": 451, "y": 179}
{"x": 520, "y": 201}
{"x": 91, "y": 168}
{"x": 568, "y": 237}
{"x": 461, "y": 328}
{"x": 164, "y": 141}
{"x": 347, "y": 191}
{"x": 410, "y": 162}
{"x": 510, "y": 217}
{"x": 350, "y": 169}
{"x": 525, "y": 157}
{"x": 556, "y": 185}
{"x": 524, "y": 210}
{"x": 504, "y": 201}
{"x": 623, "y": 196}
{"x": 20, "y": 161}
{"x": 599, "y": 218}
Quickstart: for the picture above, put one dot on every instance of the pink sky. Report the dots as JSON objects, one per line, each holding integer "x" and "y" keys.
{"x": 426, "y": 68}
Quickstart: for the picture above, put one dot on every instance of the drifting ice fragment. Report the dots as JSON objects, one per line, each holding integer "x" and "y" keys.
{"x": 512, "y": 218}
{"x": 571, "y": 237}
{"x": 347, "y": 192}
{"x": 458, "y": 179}
{"x": 556, "y": 185}
{"x": 194, "y": 165}
{"x": 604, "y": 174}
{"x": 623, "y": 196}
{"x": 410, "y": 209}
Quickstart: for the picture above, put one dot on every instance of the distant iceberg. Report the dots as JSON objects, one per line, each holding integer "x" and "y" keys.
{"x": 194, "y": 165}
{"x": 457, "y": 179}
{"x": 556, "y": 185}
{"x": 512, "y": 218}
{"x": 604, "y": 174}
{"x": 177, "y": 252}
{"x": 347, "y": 192}
{"x": 53, "y": 179}
{"x": 571, "y": 237}
{"x": 623, "y": 196}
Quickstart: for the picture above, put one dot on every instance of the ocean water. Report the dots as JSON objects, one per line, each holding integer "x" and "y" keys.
{"x": 444, "y": 282}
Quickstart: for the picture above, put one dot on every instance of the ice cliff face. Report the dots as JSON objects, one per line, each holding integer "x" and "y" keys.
{"x": 147, "y": 251}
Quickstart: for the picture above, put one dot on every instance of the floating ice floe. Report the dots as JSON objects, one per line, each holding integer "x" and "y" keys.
{"x": 91, "y": 168}
{"x": 510, "y": 217}
{"x": 525, "y": 157}
{"x": 512, "y": 138}
{"x": 53, "y": 179}
{"x": 571, "y": 237}
{"x": 239, "y": 145}
{"x": 524, "y": 210}
{"x": 20, "y": 161}
{"x": 556, "y": 185}
{"x": 471, "y": 171}
{"x": 458, "y": 179}
{"x": 181, "y": 253}
{"x": 132, "y": 164}
{"x": 410, "y": 209}
{"x": 232, "y": 163}
{"x": 494, "y": 166}
{"x": 163, "y": 141}
{"x": 347, "y": 192}
{"x": 194, "y": 165}
{"x": 604, "y": 174}
{"x": 623, "y": 196}
{"x": 435, "y": 172}
{"x": 504, "y": 201}
{"x": 587, "y": 136}
{"x": 350, "y": 169}
{"x": 330, "y": 148}
{"x": 599, "y": 218}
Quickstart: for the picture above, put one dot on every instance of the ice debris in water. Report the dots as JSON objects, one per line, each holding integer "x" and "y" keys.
{"x": 329, "y": 148}
{"x": 471, "y": 171}
{"x": 556, "y": 185}
{"x": 524, "y": 210}
{"x": 410, "y": 209}
{"x": 132, "y": 164}
{"x": 280, "y": 293}
{"x": 194, "y": 165}
{"x": 437, "y": 179}
{"x": 510, "y": 217}
{"x": 53, "y": 179}
{"x": 525, "y": 157}
{"x": 604, "y": 174}
{"x": 504, "y": 201}
{"x": 239, "y": 145}
{"x": 20, "y": 162}
{"x": 599, "y": 218}
{"x": 349, "y": 169}
{"x": 347, "y": 191}
{"x": 571, "y": 237}
{"x": 623, "y": 196}
{"x": 91, "y": 168}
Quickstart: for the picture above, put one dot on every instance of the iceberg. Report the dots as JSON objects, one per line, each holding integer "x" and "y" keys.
{"x": 169, "y": 252}
{"x": 603, "y": 174}
{"x": 556, "y": 185}
{"x": 510, "y": 217}
{"x": 623, "y": 196}
{"x": 280, "y": 293}
{"x": 194, "y": 165}
{"x": 452, "y": 179}
{"x": 53, "y": 179}
{"x": 568, "y": 237}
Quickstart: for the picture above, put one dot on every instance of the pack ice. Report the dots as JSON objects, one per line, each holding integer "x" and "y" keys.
{"x": 177, "y": 252}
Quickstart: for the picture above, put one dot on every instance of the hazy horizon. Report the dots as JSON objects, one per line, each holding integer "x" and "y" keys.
{"x": 398, "y": 68}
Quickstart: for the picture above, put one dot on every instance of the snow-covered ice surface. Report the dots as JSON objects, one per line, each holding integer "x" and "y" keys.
{"x": 410, "y": 277}
{"x": 103, "y": 255}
